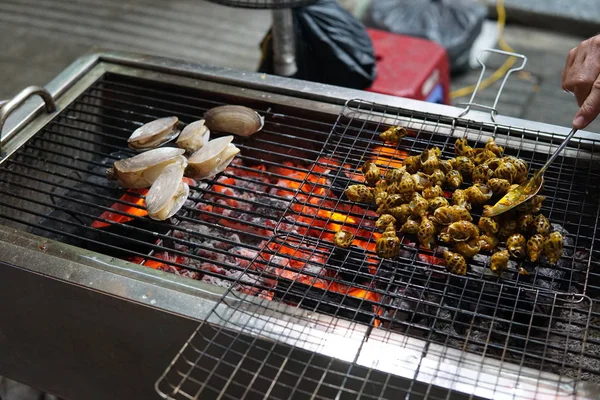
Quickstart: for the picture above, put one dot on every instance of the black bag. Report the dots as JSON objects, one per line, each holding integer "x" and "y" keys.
{"x": 454, "y": 24}
{"x": 332, "y": 47}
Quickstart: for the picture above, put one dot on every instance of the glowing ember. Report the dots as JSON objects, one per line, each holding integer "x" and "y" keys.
{"x": 133, "y": 196}
{"x": 387, "y": 157}
{"x": 128, "y": 212}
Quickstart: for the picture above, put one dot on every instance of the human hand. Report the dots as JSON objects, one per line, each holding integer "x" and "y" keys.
{"x": 581, "y": 76}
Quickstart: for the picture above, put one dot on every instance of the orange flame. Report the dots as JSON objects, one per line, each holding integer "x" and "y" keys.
{"x": 136, "y": 210}
{"x": 132, "y": 211}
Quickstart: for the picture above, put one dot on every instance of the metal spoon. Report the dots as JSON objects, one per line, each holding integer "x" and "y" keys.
{"x": 524, "y": 192}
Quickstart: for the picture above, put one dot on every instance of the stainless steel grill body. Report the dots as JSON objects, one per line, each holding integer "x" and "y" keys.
{"x": 320, "y": 344}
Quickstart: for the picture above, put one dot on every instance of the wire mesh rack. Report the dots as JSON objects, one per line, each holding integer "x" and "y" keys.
{"x": 301, "y": 318}
{"x": 509, "y": 318}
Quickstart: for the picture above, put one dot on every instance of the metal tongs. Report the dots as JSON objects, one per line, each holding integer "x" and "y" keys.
{"x": 524, "y": 192}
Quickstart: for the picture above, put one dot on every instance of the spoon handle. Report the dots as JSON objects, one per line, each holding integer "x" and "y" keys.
{"x": 558, "y": 151}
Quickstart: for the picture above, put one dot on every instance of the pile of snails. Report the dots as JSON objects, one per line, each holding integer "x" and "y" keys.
{"x": 424, "y": 198}
{"x": 162, "y": 169}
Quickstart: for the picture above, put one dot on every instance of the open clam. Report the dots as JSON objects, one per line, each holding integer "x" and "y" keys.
{"x": 168, "y": 193}
{"x": 142, "y": 170}
{"x": 239, "y": 120}
{"x": 213, "y": 158}
{"x": 154, "y": 134}
{"x": 194, "y": 136}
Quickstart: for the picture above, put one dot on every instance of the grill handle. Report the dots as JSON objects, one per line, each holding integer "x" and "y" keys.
{"x": 8, "y": 106}
{"x": 471, "y": 104}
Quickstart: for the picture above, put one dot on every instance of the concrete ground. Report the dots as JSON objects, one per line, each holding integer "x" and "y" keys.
{"x": 38, "y": 39}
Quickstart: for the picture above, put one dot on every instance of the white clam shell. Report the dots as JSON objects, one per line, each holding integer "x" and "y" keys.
{"x": 168, "y": 193}
{"x": 194, "y": 136}
{"x": 213, "y": 158}
{"x": 154, "y": 134}
{"x": 239, "y": 120}
{"x": 142, "y": 170}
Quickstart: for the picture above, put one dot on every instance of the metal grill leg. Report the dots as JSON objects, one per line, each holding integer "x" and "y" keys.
{"x": 284, "y": 47}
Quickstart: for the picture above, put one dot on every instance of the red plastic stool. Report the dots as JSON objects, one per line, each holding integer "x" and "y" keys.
{"x": 410, "y": 67}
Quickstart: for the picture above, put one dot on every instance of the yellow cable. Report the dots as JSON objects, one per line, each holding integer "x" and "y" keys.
{"x": 500, "y": 72}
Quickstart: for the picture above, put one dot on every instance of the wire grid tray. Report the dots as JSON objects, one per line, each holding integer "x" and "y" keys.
{"x": 411, "y": 328}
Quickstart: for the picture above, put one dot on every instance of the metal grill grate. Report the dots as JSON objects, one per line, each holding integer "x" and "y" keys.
{"x": 539, "y": 320}
{"x": 263, "y": 231}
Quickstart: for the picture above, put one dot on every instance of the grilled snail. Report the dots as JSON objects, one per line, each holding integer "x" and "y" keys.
{"x": 482, "y": 155}
{"x": 360, "y": 194}
{"x": 464, "y": 165}
{"x": 437, "y": 202}
{"x": 379, "y": 193}
{"x": 394, "y": 134}
{"x": 437, "y": 177}
{"x": 533, "y": 205}
{"x": 516, "y": 245}
{"x": 411, "y": 227}
{"x": 371, "y": 172}
{"x": 429, "y": 161}
{"x": 449, "y": 214}
{"x": 507, "y": 225}
{"x": 400, "y": 213}
{"x": 488, "y": 242}
{"x": 422, "y": 181}
{"x": 395, "y": 174}
{"x": 412, "y": 164}
{"x": 506, "y": 170}
{"x": 391, "y": 201}
{"x": 492, "y": 146}
{"x": 455, "y": 263}
{"x": 446, "y": 166}
{"x": 454, "y": 179}
{"x": 406, "y": 184}
{"x": 432, "y": 191}
{"x": 468, "y": 248}
{"x": 418, "y": 205}
{"x": 498, "y": 185}
{"x": 462, "y": 148}
{"x": 388, "y": 245}
{"x": 462, "y": 230}
{"x": 499, "y": 261}
{"x": 553, "y": 247}
{"x": 426, "y": 232}
{"x": 535, "y": 246}
{"x": 488, "y": 225}
{"x": 384, "y": 221}
{"x": 542, "y": 225}
{"x": 525, "y": 222}
{"x": 459, "y": 198}
{"x": 343, "y": 239}
{"x": 482, "y": 173}
{"x": 478, "y": 193}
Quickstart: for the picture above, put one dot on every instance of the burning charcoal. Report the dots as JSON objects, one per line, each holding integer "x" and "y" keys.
{"x": 329, "y": 302}
{"x": 550, "y": 278}
{"x": 351, "y": 264}
{"x": 339, "y": 181}
{"x": 408, "y": 304}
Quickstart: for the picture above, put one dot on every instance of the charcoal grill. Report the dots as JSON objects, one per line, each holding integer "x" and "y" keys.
{"x": 100, "y": 299}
